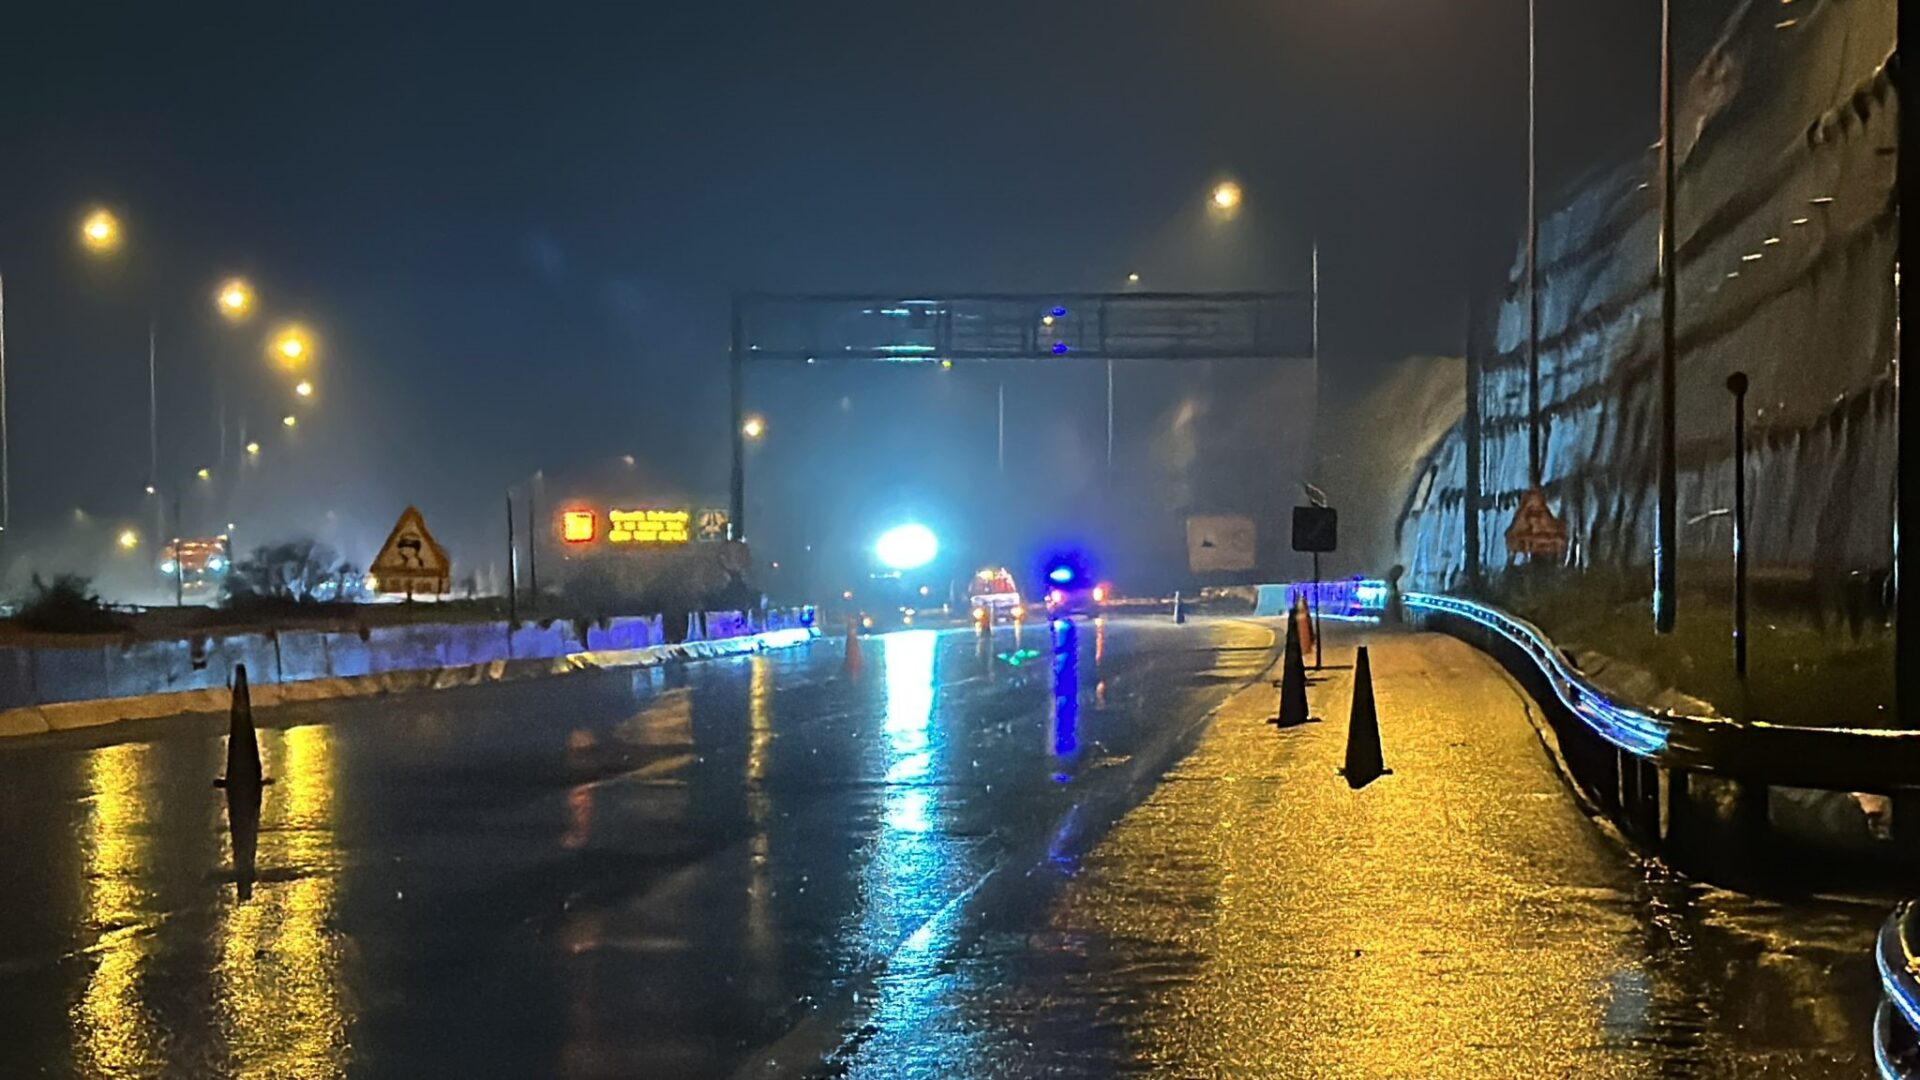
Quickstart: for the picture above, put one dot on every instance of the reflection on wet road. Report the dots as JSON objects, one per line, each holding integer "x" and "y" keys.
{"x": 650, "y": 873}
{"x": 1460, "y": 917}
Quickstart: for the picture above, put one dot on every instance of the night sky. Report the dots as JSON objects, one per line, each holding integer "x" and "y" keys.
{"x": 515, "y": 230}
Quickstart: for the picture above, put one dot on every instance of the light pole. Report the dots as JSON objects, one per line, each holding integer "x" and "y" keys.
{"x": 6, "y": 461}
{"x": 1737, "y": 385}
{"x": 1533, "y": 254}
{"x": 1666, "y": 528}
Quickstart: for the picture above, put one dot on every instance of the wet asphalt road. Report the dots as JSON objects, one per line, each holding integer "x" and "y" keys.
{"x": 1458, "y": 918}
{"x": 744, "y": 867}
{"x": 651, "y": 873}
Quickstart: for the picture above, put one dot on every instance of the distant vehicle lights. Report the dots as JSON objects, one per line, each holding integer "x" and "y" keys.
{"x": 906, "y": 547}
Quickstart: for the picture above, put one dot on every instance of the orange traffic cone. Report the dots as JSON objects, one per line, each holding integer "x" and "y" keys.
{"x": 1293, "y": 683}
{"x": 1364, "y": 764}
{"x": 1304, "y": 620}
{"x": 854, "y": 660}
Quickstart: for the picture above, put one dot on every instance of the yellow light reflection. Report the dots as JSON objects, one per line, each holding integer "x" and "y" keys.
{"x": 761, "y": 936}
{"x": 277, "y": 982}
{"x": 114, "y": 1030}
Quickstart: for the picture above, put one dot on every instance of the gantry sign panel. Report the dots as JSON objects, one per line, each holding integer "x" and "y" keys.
{"x": 1027, "y": 327}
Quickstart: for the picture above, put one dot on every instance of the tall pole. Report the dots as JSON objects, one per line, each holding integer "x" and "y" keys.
{"x": 1109, "y": 415}
{"x": 1471, "y": 504}
{"x": 1906, "y": 626}
{"x": 1001, "y": 412}
{"x": 1666, "y": 540}
{"x": 736, "y": 385}
{"x": 1533, "y": 256}
{"x": 533, "y": 544}
{"x": 1737, "y": 384}
{"x": 179, "y": 560}
{"x": 513, "y": 554}
{"x": 6, "y": 454}
{"x": 153, "y": 411}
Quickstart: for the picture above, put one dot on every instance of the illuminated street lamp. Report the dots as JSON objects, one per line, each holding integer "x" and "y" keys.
{"x": 234, "y": 299}
{"x": 303, "y": 388}
{"x": 129, "y": 539}
{"x": 289, "y": 420}
{"x": 291, "y": 345}
{"x": 754, "y": 427}
{"x": 205, "y": 474}
{"x": 1226, "y": 197}
{"x": 1133, "y": 279}
{"x": 253, "y": 449}
{"x": 100, "y": 231}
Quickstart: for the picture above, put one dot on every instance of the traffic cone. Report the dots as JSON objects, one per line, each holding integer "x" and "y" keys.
{"x": 1293, "y": 683}
{"x": 1179, "y": 612}
{"x": 243, "y": 747}
{"x": 854, "y": 660}
{"x": 1364, "y": 764}
{"x": 1304, "y": 620}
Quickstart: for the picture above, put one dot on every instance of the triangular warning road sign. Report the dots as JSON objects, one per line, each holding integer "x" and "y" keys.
{"x": 411, "y": 560}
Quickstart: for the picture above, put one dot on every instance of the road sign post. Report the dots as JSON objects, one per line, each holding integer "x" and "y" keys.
{"x": 1316, "y": 529}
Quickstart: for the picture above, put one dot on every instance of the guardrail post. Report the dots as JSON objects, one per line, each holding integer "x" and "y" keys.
{"x": 1644, "y": 815}
{"x": 1682, "y": 817}
{"x": 1750, "y": 816}
{"x": 1906, "y": 823}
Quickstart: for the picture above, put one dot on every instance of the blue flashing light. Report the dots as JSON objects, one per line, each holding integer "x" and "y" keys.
{"x": 1059, "y": 348}
{"x": 1060, "y": 575}
{"x": 1059, "y": 313}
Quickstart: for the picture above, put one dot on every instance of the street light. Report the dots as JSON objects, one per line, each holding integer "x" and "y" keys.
{"x": 1133, "y": 279}
{"x": 291, "y": 345}
{"x": 754, "y": 427}
{"x": 129, "y": 539}
{"x": 205, "y": 474}
{"x": 289, "y": 420}
{"x": 234, "y": 299}
{"x": 100, "y": 231}
{"x": 253, "y": 449}
{"x": 303, "y": 388}
{"x": 1226, "y": 197}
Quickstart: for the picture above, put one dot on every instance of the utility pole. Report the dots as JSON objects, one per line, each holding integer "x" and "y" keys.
{"x": 513, "y": 614}
{"x": 1907, "y": 483}
{"x": 737, "y": 391}
{"x": 533, "y": 546}
{"x": 1666, "y": 539}
{"x": 6, "y": 454}
{"x": 1471, "y": 502}
{"x": 1533, "y": 257}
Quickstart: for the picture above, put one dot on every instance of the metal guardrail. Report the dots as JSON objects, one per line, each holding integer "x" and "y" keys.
{"x": 1896, "y": 1029}
{"x": 1877, "y": 760}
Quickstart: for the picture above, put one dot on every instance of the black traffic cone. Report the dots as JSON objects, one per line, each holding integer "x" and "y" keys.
{"x": 1179, "y": 612}
{"x": 243, "y": 747}
{"x": 1364, "y": 764}
{"x": 1293, "y": 683}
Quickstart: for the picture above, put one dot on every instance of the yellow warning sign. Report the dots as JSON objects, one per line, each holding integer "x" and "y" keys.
{"x": 411, "y": 561}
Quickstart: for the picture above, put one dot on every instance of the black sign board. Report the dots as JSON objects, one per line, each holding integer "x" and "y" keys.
{"x": 1315, "y": 528}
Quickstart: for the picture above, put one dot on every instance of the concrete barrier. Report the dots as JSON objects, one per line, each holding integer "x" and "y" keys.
{"x": 59, "y": 688}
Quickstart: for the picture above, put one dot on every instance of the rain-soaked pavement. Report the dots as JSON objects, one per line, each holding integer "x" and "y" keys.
{"x": 641, "y": 874}
{"x": 744, "y": 865}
